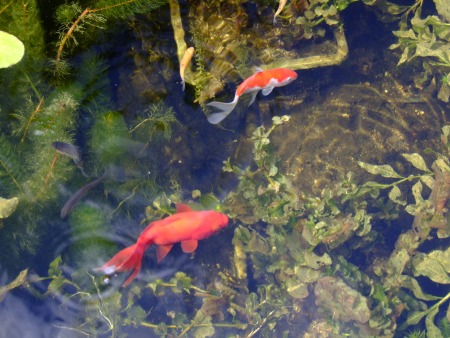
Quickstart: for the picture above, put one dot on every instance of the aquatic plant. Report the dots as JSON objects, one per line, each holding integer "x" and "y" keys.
{"x": 426, "y": 41}
{"x": 292, "y": 258}
{"x": 74, "y": 20}
{"x": 282, "y": 255}
{"x": 159, "y": 119}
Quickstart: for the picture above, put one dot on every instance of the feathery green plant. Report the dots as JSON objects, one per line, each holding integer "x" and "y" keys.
{"x": 159, "y": 119}
{"x": 75, "y": 20}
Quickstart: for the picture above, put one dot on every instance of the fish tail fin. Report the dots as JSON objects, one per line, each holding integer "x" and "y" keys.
{"x": 127, "y": 259}
{"x": 226, "y": 109}
{"x": 183, "y": 85}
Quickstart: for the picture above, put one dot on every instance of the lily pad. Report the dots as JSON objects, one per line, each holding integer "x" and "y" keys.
{"x": 11, "y": 51}
{"x": 8, "y": 206}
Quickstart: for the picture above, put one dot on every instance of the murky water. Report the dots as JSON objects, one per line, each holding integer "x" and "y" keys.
{"x": 143, "y": 145}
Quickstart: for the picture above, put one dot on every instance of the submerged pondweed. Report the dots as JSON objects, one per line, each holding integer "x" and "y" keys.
{"x": 292, "y": 270}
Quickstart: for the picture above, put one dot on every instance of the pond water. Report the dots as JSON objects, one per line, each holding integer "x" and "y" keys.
{"x": 335, "y": 185}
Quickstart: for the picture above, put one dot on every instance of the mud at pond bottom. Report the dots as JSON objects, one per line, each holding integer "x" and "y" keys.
{"x": 373, "y": 123}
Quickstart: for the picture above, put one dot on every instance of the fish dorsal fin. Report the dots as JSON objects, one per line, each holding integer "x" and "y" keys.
{"x": 189, "y": 246}
{"x": 258, "y": 70}
{"x": 162, "y": 251}
{"x": 266, "y": 91}
{"x": 180, "y": 207}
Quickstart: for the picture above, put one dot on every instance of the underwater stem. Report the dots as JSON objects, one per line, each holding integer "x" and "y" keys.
{"x": 4, "y": 8}
{"x": 318, "y": 60}
{"x": 38, "y": 108}
{"x": 31, "y": 83}
{"x": 12, "y": 177}
{"x": 18, "y": 281}
{"x": 239, "y": 326}
{"x": 69, "y": 33}
{"x": 52, "y": 165}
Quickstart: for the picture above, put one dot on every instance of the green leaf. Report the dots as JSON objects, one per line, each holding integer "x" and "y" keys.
{"x": 395, "y": 194}
{"x": 428, "y": 180}
{"x": 443, "y": 9}
{"x": 135, "y": 315}
{"x": 209, "y": 201}
{"x": 205, "y": 327}
{"x": 413, "y": 285}
{"x": 384, "y": 170}
{"x": 297, "y": 289}
{"x": 416, "y": 160}
{"x": 12, "y": 50}
{"x": 54, "y": 269}
{"x": 368, "y": 187}
{"x": 55, "y": 285}
{"x": 414, "y": 317}
{"x": 447, "y": 315}
{"x": 315, "y": 261}
{"x": 442, "y": 165}
{"x": 411, "y": 209}
{"x": 161, "y": 329}
{"x": 435, "y": 265}
{"x": 273, "y": 171}
{"x": 432, "y": 329}
{"x": 8, "y": 206}
{"x": 446, "y": 134}
{"x": 417, "y": 192}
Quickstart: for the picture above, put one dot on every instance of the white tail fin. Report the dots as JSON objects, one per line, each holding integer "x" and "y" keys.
{"x": 226, "y": 109}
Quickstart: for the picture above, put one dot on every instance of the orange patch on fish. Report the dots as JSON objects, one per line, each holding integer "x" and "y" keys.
{"x": 186, "y": 227}
{"x": 185, "y": 61}
{"x": 264, "y": 80}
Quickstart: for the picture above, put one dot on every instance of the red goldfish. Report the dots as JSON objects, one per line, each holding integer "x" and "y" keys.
{"x": 186, "y": 226}
{"x": 265, "y": 80}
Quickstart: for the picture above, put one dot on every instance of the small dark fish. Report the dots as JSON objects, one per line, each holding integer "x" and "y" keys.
{"x": 70, "y": 151}
{"x": 79, "y": 194}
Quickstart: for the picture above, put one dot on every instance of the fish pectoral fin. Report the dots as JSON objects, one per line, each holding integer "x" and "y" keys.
{"x": 266, "y": 91}
{"x": 253, "y": 98}
{"x": 162, "y": 252}
{"x": 189, "y": 246}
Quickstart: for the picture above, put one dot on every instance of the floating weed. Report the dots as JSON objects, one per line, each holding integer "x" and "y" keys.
{"x": 159, "y": 118}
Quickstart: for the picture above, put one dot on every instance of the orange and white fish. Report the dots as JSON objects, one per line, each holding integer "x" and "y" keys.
{"x": 185, "y": 60}
{"x": 279, "y": 10}
{"x": 265, "y": 80}
{"x": 186, "y": 226}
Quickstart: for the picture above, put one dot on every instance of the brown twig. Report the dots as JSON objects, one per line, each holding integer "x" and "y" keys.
{"x": 78, "y": 20}
{"x": 52, "y": 165}
{"x": 70, "y": 31}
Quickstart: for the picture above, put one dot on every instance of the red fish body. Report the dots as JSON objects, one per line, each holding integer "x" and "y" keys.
{"x": 186, "y": 227}
{"x": 265, "y": 80}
